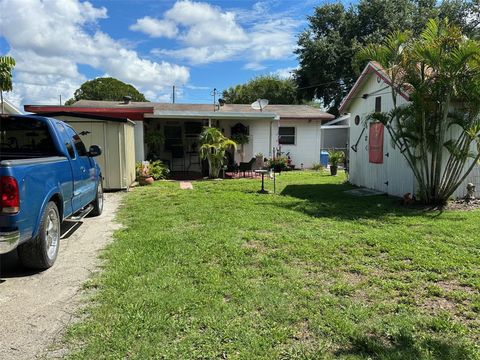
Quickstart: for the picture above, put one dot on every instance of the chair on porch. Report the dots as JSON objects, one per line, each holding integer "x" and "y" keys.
{"x": 246, "y": 166}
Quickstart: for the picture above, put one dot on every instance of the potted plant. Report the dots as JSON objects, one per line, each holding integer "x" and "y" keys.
{"x": 144, "y": 176}
{"x": 278, "y": 164}
{"x": 334, "y": 158}
{"x": 154, "y": 140}
{"x": 240, "y": 139}
{"x": 259, "y": 162}
{"x": 213, "y": 148}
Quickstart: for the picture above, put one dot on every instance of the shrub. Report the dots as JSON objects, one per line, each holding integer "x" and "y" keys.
{"x": 155, "y": 169}
{"x": 279, "y": 163}
{"x": 158, "y": 170}
{"x": 317, "y": 167}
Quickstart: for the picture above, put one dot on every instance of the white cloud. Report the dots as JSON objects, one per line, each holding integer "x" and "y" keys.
{"x": 205, "y": 24}
{"x": 155, "y": 28}
{"x": 285, "y": 73}
{"x": 49, "y": 39}
{"x": 254, "y": 66}
{"x": 210, "y": 34}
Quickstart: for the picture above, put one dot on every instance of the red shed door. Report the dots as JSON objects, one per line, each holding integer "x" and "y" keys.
{"x": 375, "y": 143}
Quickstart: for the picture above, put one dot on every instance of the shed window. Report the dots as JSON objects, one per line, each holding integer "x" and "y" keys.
{"x": 378, "y": 104}
{"x": 286, "y": 135}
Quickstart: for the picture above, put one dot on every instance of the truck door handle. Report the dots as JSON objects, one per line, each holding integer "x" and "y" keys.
{"x": 82, "y": 168}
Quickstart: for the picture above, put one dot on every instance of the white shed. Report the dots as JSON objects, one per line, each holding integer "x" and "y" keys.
{"x": 383, "y": 168}
{"x": 115, "y": 136}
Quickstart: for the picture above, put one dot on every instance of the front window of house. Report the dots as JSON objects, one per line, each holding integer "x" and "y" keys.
{"x": 286, "y": 135}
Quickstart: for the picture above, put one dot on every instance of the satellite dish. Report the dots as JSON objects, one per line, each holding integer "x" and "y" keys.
{"x": 260, "y": 104}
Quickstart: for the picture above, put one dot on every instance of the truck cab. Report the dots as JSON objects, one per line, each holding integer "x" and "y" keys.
{"x": 46, "y": 176}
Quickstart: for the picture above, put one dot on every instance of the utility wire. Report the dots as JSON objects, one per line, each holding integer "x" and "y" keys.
{"x": 325, "y": 83}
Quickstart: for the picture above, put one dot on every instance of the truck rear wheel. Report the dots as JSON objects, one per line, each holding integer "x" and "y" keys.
{"x": 98, "y": 202}
{"x": 41, "y": 252}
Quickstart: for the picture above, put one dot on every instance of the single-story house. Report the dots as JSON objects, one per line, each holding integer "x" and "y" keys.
{"x": 374, "y": 160}
{"x": 290, "y": 129}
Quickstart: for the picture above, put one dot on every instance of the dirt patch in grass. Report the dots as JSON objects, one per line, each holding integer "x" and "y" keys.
{"x": 439, "y": 304}
{"x": 255, "y": 245}
{"x": 302, "y": 332}
{"x": 463, "y": 205}
{"x": 452, "y": 285}
{"x": 354, "y": 278}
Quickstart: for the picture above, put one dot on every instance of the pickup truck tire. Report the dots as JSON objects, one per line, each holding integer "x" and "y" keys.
{"x": 98, "y": 202}
{"x": 41, "y": 252}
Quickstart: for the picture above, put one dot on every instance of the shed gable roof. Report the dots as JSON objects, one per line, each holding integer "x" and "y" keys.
{"x": 372, "y": 67}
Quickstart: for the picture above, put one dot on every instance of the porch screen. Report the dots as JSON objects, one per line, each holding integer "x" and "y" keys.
{"x": 375, "y": 143}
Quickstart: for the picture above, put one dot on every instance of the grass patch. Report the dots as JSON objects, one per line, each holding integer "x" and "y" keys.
{"x": 223, "y": 272}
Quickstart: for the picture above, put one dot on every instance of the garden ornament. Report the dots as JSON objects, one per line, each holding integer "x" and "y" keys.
{"x": 470, "y": 192}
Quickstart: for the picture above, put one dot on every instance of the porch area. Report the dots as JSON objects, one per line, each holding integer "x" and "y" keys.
{"x": 174, "y": 138}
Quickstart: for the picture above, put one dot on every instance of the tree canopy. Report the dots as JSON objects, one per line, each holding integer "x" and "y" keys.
{"x": 108, "y": 88}
{"x": 271, "y": 87}
{"x": 327, "y": 48}
{"x": 438, "y": 131}
{"x": 7, "y": 63}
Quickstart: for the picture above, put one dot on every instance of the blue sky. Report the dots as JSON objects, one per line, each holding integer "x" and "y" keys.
{"x": 151, "y": 44}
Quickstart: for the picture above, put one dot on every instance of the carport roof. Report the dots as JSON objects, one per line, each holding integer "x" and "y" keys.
{"x": 86, "y": 116}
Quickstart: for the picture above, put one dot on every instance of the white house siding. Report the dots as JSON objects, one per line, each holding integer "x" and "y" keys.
{"x": 307, "y": 146}
{"x": 395, "y": 169}
{"x": 259, "y": 137}
{"x": 139, "y": 141}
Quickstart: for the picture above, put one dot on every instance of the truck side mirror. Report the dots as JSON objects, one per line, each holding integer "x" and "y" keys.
{"x": 94, "y": 150}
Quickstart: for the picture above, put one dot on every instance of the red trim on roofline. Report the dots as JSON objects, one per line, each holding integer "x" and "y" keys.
{"x": 371, "y": 67}
{"x": 131, "y": 113}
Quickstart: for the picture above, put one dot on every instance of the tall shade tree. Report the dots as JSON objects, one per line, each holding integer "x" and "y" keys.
{"x": 271, "y": 87}
{"x": 7, "y": 63}
{"x": 326, "y": 49}
{"x": 213, "y": 147}
{"x": 438, "y": 131}
{"x": 109, "y": 89}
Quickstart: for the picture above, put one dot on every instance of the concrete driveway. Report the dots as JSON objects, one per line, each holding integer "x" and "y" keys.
{"x": 35, "y": 308}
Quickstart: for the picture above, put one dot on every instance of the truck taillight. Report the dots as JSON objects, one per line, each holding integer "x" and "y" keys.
{"x": 10, "y": 197}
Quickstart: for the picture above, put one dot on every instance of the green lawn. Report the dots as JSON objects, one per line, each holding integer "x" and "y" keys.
{"x": 221, "y": 272}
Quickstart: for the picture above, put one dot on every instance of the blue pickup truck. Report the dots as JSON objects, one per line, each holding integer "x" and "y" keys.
{"x": 46, "y": 176}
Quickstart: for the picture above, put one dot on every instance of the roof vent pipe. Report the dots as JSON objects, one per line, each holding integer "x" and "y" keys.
{"x": 127, "y": 99}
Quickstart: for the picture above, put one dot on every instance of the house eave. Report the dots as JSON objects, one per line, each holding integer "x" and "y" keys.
{"x": 210, "y": 115}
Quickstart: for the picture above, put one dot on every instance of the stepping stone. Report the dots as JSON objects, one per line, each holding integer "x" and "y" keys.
{"x": 186, "y": 185}
{"x": 364, "y": 192}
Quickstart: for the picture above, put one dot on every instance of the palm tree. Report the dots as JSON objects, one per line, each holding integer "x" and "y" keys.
{"x": 7, "y": 63}
{"x": 439, "y": 129}
{"x": 213, "y": 147}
